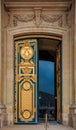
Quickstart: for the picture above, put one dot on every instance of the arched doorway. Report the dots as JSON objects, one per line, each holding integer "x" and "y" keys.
{"x": 27, "y": 54}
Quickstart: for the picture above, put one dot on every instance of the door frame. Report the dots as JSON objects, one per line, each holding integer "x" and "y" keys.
{"x": 45, "y": 31}
{"x": 48, "y": 37}
{"x": 58, "y": 84}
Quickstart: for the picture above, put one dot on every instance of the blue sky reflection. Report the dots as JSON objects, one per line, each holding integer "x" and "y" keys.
{"x": 46, "y": 76}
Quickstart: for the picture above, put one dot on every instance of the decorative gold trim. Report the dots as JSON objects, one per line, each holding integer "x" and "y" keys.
{"x": 27, "y": 52}
{"x": 30, "y": 105}
{"x": 38, "y": 36}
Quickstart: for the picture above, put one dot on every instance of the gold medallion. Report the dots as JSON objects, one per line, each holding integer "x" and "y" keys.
{"x": 27, "y": 52}
{"x": 26, "y": 86}
{"x": 26, "y": 114}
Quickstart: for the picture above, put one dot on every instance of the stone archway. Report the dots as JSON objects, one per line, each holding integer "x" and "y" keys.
{"x": 11, "y": 32}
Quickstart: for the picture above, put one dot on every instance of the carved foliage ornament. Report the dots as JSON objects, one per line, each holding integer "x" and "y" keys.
{"x": 37, "y": 16}
{"x": 21, "y": 18}
{"x": 52, "y": 18}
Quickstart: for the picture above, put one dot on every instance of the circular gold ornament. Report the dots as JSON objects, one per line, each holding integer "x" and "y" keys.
{"x": 26, "y": 114}
{"x": 27, "y": 52}
{"x": 26, "y": 86}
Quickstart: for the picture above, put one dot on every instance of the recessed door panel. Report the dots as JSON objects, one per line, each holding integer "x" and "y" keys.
{"x": 25, "y": 79}
{"x": 58, "y": 84}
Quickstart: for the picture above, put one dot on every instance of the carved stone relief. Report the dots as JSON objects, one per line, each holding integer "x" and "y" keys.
{"x": 68, "y": 19}
{"x": 20, "y": 18}
{"x": 37, "y": 16}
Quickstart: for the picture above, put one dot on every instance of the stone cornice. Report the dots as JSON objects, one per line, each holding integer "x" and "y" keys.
{"x": 47, "y": 5}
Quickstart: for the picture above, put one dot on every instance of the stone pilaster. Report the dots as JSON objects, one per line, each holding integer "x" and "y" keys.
{"x": 0, "y": 50}
{"x": 73, "y": 116}
{"x": 75, "y": 48}
{"x": 72, "y": 110}
{"x": 3, "y": 115}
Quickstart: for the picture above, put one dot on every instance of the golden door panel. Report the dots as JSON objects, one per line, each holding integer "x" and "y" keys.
{"x": 25, "y": 79}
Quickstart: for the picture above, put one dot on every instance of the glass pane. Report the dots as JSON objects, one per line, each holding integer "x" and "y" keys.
{"x": 46, "y": 90}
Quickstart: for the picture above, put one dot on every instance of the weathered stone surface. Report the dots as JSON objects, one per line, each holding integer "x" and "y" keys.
{"x": 42, "y": 21}
{"x": 72, "y": 118}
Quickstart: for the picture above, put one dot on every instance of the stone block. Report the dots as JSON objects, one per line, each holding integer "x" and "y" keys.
{"x": 72, "y": 116}
{"x": 74, "y": 120}
{"x": 3, "y": 116}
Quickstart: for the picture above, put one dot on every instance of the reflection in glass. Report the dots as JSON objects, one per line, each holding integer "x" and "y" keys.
{"x": 46, "y": 90}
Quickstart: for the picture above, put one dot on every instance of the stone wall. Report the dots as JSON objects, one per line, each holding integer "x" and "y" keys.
{"x": 39, "y": 20}
{"x": 72, "y": 111}
{"x": 51, "y": 19}
{"x": 3, "y": 114}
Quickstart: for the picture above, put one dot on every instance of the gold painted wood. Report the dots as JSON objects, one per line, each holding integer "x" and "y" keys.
{"x": 26, "y": 81}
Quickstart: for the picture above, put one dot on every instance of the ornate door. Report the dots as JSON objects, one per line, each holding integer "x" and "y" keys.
{"x": 25, "y": 81}
{"x": 58, "y": 83}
